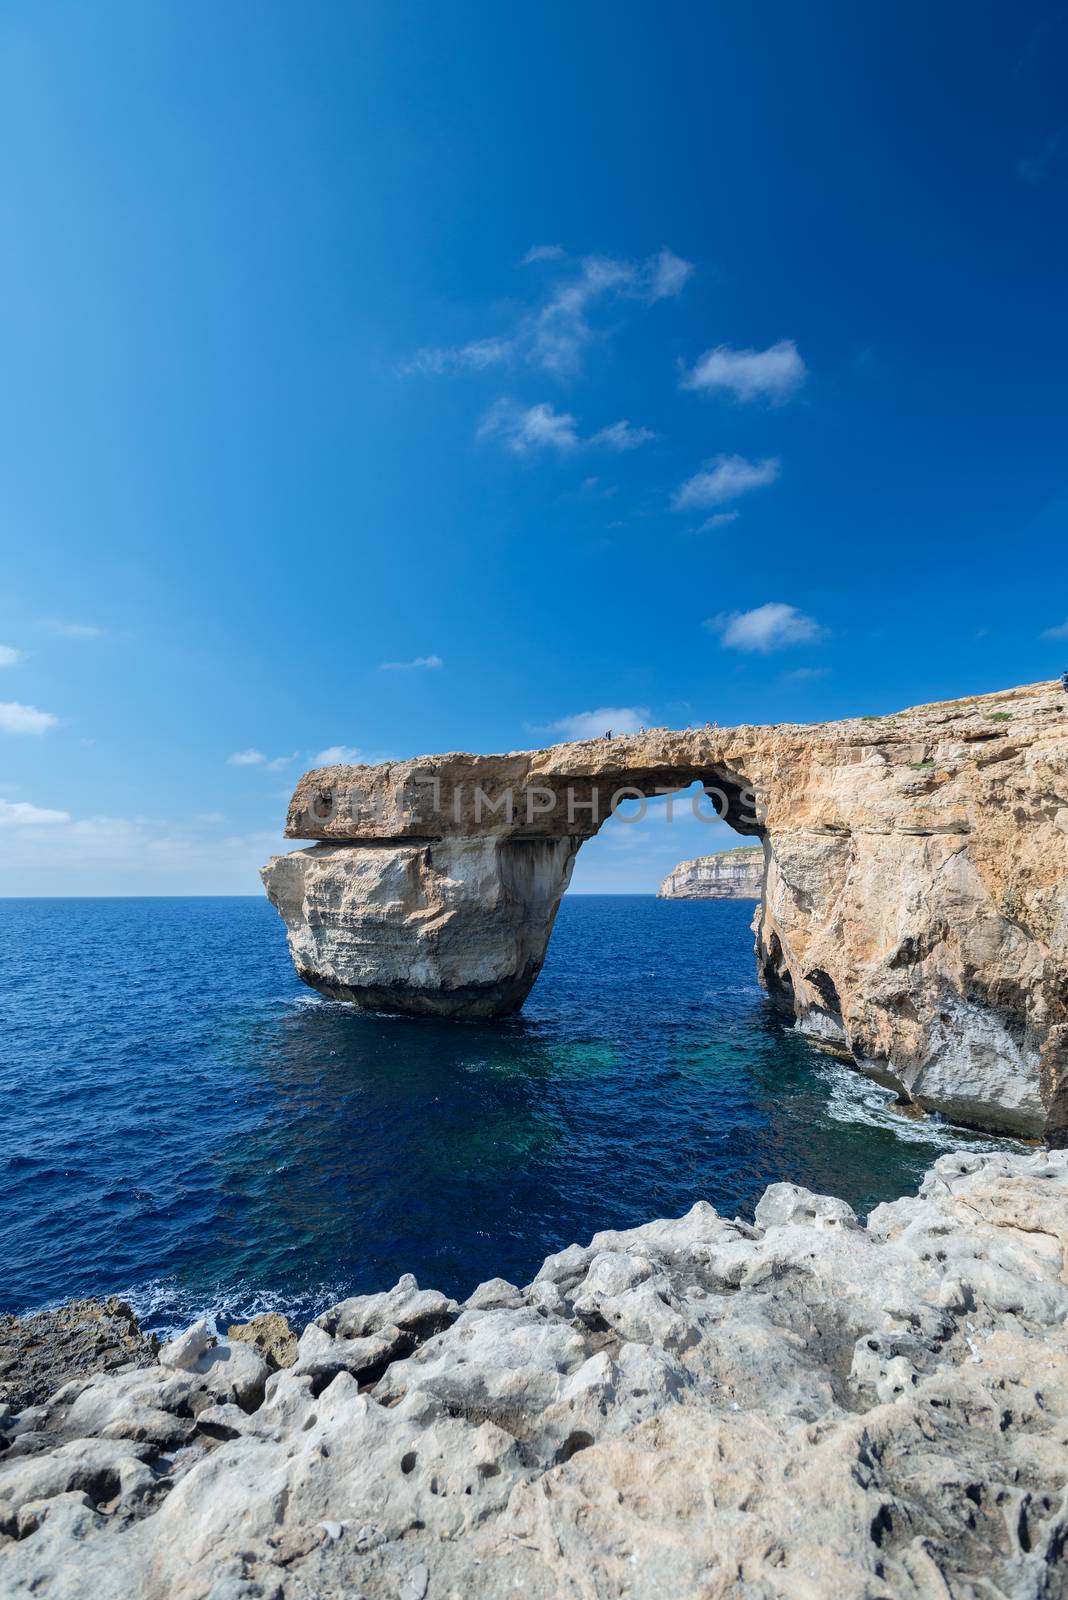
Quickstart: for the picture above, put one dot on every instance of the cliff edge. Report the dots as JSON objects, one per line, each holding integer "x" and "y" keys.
{"x": 726, "y": 875}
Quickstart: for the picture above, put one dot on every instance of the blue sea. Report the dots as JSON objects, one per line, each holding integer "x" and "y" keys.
{"x": 183, "y": 1123}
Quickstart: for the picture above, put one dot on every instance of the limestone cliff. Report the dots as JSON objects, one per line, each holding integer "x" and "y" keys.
{"x": 727, "y": 875}
{"x": 915, "y": 904}
{"x": 795, "y": 1408}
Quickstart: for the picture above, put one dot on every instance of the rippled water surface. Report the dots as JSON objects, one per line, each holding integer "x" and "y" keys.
{"x": 181, "y": 1121}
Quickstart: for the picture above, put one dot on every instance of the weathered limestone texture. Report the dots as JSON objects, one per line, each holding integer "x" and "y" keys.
{"x": 727, "y": 875}
{"x": 915, "y": 905}
{"x": 698, "y": 1409}
{"x": 447, "y": 927}
{"x": 40, "y": 1352}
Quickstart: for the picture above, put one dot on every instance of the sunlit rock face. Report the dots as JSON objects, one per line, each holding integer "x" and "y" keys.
{"x": 727, "y": 875}
{"x": 915, "y": 904}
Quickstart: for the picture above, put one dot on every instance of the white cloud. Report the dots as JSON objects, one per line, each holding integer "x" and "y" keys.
{"x": 553, "y": 335}
{"x": 130, "y": 855}
{"x": 21, "y": 814}
{"x": 476, "y": 356}
{"x": 724, "y": 478}
{"x": 543, "y": 252}
{"x": 666, "y": 275}
{"x": 410, "y": 666}
{"x": 533, "y": 428}
{"x": 805, "y": 674}
{"x": 9, "y": 657}
{"x": 560, "y": 330}
{"x": 336, "y": 755}
{"x": 592, "y": 724}
{"x": 76, "y": 630}
{"x": 15, "y": 718}
{"x": 774, "y": 374}
{"x": 1059, "y": 632}
{"x": 256, "y": 758}
{"x": 622, "y": 436}
{"x": 523, "y": 429}
{"x": 719, "y": 520}
{"x": 772, "y": 626}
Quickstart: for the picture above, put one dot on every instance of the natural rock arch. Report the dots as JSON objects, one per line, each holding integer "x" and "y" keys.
{"x": 914, "y": 913}
{"x": 436, "y": 884}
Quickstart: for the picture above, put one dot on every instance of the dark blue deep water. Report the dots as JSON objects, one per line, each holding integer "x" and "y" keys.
{"x": 182, "y": 1122}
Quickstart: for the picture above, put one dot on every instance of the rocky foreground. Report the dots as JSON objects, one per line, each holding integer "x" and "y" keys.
{"x": 804, "y": 1408}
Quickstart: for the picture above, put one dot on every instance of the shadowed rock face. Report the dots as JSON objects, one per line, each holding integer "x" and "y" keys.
{"x": 446, "y": 927}
{"x": 915, "y": 906}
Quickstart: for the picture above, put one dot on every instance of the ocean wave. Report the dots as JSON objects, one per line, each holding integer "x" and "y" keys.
{"x": 165, "y": 1307}
{"x": 860, "y": 1101}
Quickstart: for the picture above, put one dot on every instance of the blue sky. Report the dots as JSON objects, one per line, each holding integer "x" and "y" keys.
{"x": 411, "y": 377}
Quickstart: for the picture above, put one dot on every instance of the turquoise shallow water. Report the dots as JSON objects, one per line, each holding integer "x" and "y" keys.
{"x": 183, "y": 1122}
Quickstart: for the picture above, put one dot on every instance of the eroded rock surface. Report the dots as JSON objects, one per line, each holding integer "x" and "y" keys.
{"x": 699, "y": 1408}
{"x": 726, "y": 875}
{"x": 40, "y": 1352}
{"x": 915, "y": 907}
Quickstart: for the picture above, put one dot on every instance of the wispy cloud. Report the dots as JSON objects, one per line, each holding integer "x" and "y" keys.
{"x": 553, "y": 336}
{"x": 719, "y": 519}
{"x": 416, "y": 663}
{"x": 75, "y": 630}
{"x": 724, "y": 478}
{"x": 16, "y": 718}
{"x": 47, "y": 851}
{"x": 522, "y": 429}
{"x": 543, "y": 252}
{"x": 558, "y": 333}
{"x": 772, "y": 626}
{"x": 256, "y": 758}
{"x": 1058, "y": 632}
{"x": 476, "y": 356}
{"x": 773, "y": 374}
{"x": 336, "y": 755}
{"x": 9, "y": 656}
{"x": 592, "y": 724}
{"x": 666, "y": 275}
{"x": 623, "y": 436}
{"x": 21, "y": 814}
{"x": 805, "y": 674}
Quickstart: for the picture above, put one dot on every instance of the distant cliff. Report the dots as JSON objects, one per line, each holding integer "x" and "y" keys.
{"x": 728, "y": 875}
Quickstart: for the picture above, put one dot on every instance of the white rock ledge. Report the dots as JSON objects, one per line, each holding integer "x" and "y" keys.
{"x": 696, "y": 1408}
